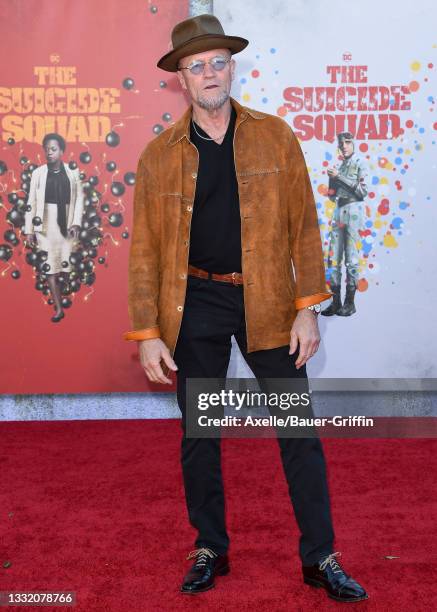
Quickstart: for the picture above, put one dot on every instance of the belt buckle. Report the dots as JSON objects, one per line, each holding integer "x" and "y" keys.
{"x": 234, "y": 278}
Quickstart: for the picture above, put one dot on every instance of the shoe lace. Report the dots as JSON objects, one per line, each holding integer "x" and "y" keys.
{"x": 332, "y": 562}
{"x": 202, "y": 555}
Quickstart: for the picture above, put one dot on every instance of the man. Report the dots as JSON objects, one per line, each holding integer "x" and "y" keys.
{"x": 223, "y": 208}
{"x": 347, "y": 187}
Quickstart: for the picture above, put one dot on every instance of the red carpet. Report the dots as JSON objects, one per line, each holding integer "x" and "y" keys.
{"x": 97, "y": 507}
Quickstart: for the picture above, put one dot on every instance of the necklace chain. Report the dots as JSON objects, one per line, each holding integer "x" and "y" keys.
{"x": 204, "y": 137}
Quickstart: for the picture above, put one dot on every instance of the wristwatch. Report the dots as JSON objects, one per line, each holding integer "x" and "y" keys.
{"x": 315, "y": 308}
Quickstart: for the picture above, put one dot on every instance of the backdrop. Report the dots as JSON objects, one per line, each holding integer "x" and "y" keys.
{"x": 87, "y": 71}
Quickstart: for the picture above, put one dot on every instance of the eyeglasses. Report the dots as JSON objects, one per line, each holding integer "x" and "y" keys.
{"x": 197, "y": 67}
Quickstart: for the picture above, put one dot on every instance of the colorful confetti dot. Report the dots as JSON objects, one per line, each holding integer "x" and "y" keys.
{"x": 384, "y": 207}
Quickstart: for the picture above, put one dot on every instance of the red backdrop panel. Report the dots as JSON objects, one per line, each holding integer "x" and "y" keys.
{"x": 102, "y": 43}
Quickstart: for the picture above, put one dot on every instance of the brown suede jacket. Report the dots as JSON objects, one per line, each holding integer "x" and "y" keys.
{"x": 282, "y": 260}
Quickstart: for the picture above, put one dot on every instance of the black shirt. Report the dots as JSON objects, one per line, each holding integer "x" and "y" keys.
{"x": 58, "y": 192}
{"x": 215, "y": 236}
{"x": 57, "y": 184}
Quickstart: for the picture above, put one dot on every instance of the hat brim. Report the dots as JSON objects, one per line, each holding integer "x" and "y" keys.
{"x": 169, "y": 61}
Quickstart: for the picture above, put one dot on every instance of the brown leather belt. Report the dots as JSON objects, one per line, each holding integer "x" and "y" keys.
{"x": 236, "y": 278}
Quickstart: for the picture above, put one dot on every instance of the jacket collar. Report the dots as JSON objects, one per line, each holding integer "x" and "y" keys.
{"x": 182, "y": 127}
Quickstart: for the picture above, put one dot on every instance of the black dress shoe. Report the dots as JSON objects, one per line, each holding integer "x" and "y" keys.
{"x": 201, "y": 575}
{"x": 329, "y": 575}
{"x": 58, "y": 317}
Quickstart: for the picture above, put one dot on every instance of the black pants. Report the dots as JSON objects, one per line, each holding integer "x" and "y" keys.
{"x": 214, "y": 311}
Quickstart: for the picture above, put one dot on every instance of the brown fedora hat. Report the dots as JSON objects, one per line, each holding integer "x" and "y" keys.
{"x": 201, "y": 33}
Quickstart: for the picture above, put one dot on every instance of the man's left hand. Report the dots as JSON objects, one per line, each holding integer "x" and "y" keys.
{"x": 305, "y": 331}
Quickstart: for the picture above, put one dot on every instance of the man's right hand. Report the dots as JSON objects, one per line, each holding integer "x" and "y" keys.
{"x": 151, "y": 352}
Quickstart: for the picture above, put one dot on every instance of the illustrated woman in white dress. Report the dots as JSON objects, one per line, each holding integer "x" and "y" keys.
{"x": 53, "y": 222}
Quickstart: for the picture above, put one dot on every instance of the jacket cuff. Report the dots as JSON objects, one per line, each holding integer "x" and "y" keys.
{"x": 309, "y": 300}
{"x": 142, "y": 334}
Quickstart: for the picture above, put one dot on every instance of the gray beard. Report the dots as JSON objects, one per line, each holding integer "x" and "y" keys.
{"x": 213, "y": 103}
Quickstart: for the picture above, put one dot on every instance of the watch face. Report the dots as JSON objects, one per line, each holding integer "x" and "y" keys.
{"x": 315, "y": 308}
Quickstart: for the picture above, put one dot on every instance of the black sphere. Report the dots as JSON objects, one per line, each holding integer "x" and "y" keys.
{"x": 16, "y": 274}
{"x": 72, "y": 165}
{"x": 117, "y": 188}
{"x": 11, "y": 141}
{"x": 101, "y": 260}
{"x": 66, "y": 302}
{"x": 91, "y": 277}
{"x": 75, "y": 286}
{"x": 128, "y": 83}
{"x": 36, "y": 220}
{"x": 84, "y": 235}
{"x": 93, "y": 180}
{"x": 11, "y": 237}
{"x": 115, "y": 219}
{"x": 5, "y": 252}
{"x": 112, "y": 139}
{"x": 85, "y": 157}
{"x": 23, "y": 160}
{"x": 129, "y": 178}
{"x": 15, "y": 218}
{"x": 125, "y": 235}
{"x": 32, "y": 258}
{"x": 105, "y": 208}
{"x": 111, "y": 166}
{"x": 94, "y": 222}
{"x": 90, "y": 212}
{"x": 76, "y": 258}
